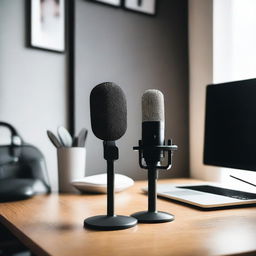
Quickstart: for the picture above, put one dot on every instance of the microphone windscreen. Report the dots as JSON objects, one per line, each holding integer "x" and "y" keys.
{"x": 108, "y": 111}
{"x": 152, "y": 106}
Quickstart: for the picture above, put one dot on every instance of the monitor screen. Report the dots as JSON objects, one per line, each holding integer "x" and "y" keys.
{"x": 230, "y": 125}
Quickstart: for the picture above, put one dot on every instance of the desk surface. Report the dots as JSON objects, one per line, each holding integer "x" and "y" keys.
{"x": 53, "y": 225}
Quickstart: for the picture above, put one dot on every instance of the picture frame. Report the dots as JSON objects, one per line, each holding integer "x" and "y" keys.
{"x": 148, "y": 7}
{"x": 47, "y": 24}
{"x": 113, "y": 3}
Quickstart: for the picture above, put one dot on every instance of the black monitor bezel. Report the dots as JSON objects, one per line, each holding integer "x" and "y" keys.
{"x": 217, "y": 163}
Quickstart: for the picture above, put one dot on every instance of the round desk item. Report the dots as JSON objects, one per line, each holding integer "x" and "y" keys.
{"x": 104, "y": 222}
{"x": 98, "y": 183}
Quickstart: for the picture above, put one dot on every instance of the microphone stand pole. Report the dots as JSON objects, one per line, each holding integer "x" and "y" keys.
{"x": 110, "y": 188}
{"x": 110, "y": 221}
{"x": 152, "y": 175}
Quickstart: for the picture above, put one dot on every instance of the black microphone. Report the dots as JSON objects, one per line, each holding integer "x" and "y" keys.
{"x": 152, "y": 125}
{"x": 108, "y": 116}
{"x": 109, "y": 123}
{"x": 108, "y": 111}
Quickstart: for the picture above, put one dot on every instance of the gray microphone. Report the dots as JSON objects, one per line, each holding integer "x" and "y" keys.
{"x": 152, "y": 148}
{"x": 152, "y": 125}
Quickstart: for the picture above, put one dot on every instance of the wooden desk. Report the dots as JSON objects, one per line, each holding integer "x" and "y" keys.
{"x": 53, "y": 225}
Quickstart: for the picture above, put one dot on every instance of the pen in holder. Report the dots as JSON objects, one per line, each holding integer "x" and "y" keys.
{"x": 71, "y": 166}
{"x": 71, "y": 154}
{"x": 152, "y": 164}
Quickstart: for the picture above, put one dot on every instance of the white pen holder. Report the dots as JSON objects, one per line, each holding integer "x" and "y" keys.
{"x": 71, "y": 166}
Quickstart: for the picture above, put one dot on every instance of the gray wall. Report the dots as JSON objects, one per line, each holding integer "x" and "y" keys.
{"x": 135, "y": 51}
{"x": 32, "y": 84}
{"x": 138, "y": 53}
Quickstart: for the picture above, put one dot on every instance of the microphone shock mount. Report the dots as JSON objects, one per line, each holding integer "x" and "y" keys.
{"x": 152, "y": 165}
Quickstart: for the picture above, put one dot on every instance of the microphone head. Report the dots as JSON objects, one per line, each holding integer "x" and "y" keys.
{"x": 108, "y": 111}
{"x": 152, "y": 106}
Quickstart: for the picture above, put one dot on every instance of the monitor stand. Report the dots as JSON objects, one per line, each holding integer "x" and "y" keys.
{"x": 245, "y": 181}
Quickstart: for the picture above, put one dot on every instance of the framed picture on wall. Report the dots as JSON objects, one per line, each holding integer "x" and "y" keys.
{"x": 143, "y": 6}
{"x": 116, "y": 3}
{"x": 47, "y": 25}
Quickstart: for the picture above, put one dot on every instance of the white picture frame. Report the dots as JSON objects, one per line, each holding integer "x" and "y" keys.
{"x": 47, "y": 25}
{"x": 116, "y": 3}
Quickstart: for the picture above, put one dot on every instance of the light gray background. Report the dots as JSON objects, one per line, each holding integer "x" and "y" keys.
{"x": 137, "y": 52}
{"x": 32, "y": 85}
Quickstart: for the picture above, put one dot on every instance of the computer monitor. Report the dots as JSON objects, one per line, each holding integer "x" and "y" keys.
{"x": 230, "y": 125}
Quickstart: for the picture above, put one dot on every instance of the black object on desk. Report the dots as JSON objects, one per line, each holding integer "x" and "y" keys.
{"x": 21, "y": 165}
{"x": 152, "y": 215}
{"x": 110, "y": 221}
{"x": 16, "y": 189}
{"x": 109, "y": 123}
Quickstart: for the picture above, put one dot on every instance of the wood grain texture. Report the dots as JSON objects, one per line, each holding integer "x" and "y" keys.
{"x": 53, "y": 225}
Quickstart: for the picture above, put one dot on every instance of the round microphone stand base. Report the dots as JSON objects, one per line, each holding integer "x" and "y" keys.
{"x": 153, "y": 217}
{"x": 105, "y": 222}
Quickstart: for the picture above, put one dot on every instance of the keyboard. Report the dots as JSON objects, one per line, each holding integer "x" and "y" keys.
{"x": 222, "y": 192}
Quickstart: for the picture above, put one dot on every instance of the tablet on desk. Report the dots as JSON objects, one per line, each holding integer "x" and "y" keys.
{"x": 205, "y": 195}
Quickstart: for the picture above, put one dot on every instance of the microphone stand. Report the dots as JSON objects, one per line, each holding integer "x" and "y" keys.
{"x": 152, "y": 215}
{"x": 110, "y": 221}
